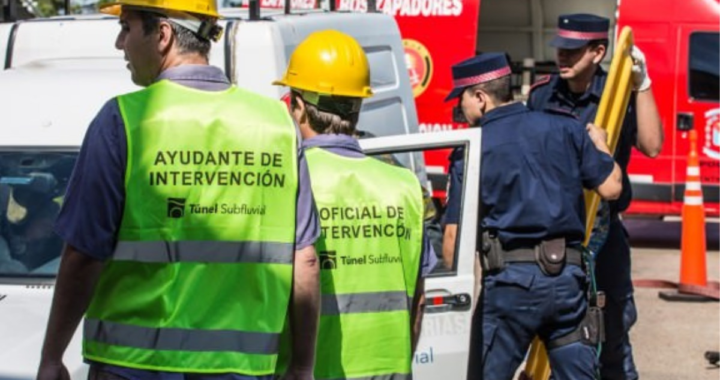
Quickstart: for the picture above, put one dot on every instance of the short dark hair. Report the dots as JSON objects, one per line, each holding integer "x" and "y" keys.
{"x": 595, "y": 43}
{"x": 601, "y": 42}
{"x": 499, "y": 89}
{"x": 324, "y": 122}
{"x": 187, "y": 41}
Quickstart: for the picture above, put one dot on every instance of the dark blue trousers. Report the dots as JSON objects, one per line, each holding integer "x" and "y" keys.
{"x": 612, "y": 270}
{"x": 521, "y": 302}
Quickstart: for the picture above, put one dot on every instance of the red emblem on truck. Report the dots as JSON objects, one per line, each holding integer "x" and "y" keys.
{"x": 419, "y": 64}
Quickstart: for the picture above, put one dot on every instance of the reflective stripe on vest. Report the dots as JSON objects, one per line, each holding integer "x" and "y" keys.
{"x": 371, "y": 216}
{"x": 201, "y": 275}
{"x": 181, "y": 339}
{"x": 335, "y": 304}
{"x": 204, "y": 252}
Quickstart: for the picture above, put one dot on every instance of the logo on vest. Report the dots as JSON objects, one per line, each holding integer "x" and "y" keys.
{"x": 383, "y": 258}
{"x": 328, "y": 260}
{"x": 175, "y": 207}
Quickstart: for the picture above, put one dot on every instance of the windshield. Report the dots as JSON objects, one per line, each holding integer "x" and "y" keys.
{"x": 32, "y": 188}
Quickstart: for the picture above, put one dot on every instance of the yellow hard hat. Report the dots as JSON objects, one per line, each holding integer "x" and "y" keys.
{"x": 200, "y": 7}
{"x": 329, "y": 62}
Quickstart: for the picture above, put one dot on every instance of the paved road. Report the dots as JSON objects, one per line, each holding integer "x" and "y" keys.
{"x": 670, "y": 338}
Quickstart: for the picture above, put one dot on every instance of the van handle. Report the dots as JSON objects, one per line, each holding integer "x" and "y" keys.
{"x": 443, "y": 304}
{"x": 684, "y": 121}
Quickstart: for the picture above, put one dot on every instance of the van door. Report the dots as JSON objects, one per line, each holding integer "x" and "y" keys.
{"x": 697, "y": 108}
{"x": 33, "y": 181}
{"x": 442, "y": 352}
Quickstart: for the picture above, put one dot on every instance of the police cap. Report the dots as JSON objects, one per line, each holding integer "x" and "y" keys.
{"x": 577, "y": 30}
{"x": 479, "y": 69}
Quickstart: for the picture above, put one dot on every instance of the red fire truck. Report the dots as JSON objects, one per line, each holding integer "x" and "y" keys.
{"x": 679, "y": 38}
{"x": 681, "y": 42}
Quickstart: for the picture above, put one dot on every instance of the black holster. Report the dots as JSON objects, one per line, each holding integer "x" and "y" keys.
{"x": 491, "y": 257}
{"x": 591, "y": 330}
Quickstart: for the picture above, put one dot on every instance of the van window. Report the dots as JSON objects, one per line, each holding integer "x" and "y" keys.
{"x": 705, "y": 66}
{"x": 32, "y": 189}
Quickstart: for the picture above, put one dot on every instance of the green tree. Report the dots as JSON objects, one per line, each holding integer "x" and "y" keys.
{"x": 49, "y": 8}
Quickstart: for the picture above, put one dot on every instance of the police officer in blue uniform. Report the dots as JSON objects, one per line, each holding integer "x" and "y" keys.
{"x": 534, "y": 167}
{"x": 581, "y": 43}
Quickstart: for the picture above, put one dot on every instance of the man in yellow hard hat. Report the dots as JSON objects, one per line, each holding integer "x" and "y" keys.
{"x": 373, "y": 250}
{"x": 189, "y": 221}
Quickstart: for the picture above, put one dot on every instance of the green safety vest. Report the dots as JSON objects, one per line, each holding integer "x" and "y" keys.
{"x": 371, "y": 217}
{"x": 201, "y": 275}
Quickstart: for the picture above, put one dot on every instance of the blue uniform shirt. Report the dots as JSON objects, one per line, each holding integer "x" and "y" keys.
{"x": 93, "y": 207}
{"x": 534, "y": 168}
{"x": 348, "y": 146}
{"x": 553, "y": 94}
{"x": 453, "y": 195}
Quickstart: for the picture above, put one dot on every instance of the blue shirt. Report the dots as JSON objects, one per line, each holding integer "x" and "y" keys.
{"x": 93, "y": 206}
{"x": 534, "y": 168}
{"x": 348, "y": 146}
{"x": 553, "y": 94}
{"x": 453, "y": 195}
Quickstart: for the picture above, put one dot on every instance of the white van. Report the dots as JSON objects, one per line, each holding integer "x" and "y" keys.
{"x": 60, "y": 71}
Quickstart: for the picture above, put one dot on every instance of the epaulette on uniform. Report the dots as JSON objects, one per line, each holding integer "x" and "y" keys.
{"x": 543, "y": 80}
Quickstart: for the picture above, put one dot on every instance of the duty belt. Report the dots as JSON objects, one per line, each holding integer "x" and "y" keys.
{"x": 550, "y": 255}
{"x": 573, "y": 256}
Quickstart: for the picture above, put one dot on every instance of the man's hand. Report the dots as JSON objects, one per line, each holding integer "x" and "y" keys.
{"x": 298, "y": 374}
{"x": 52, "y": 371}
{"x": 641, "y": 79}
{"x": 598, "y": 136}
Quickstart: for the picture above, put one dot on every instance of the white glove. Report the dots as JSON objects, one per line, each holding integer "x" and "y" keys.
{"x": 640, "y": 77}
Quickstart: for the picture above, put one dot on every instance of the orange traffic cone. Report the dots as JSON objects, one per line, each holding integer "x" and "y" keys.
{"x": 693, "y": 268}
